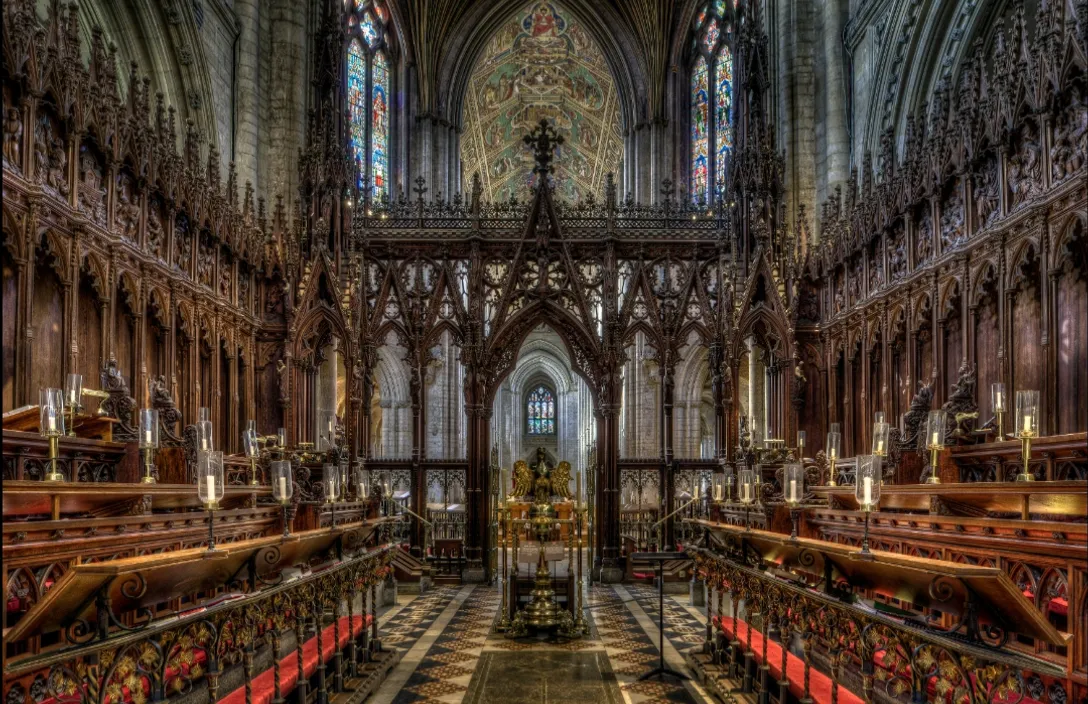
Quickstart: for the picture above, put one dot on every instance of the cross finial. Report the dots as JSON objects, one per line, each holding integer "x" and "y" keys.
{"x": 543, "y": 140}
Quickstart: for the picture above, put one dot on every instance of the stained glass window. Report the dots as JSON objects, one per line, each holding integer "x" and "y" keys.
{"x": 369, "y": 30}
{"x": 368, "y": 91}
{"x": 723, "y": 113}
{"x": 712, "y": 139}
{"x": 357, "y": 103}
{"x": 713, "y": 31}
{"x": 700, "y": 130}
{"x": 540, "y": 411}
{"x": 379, "y": 135}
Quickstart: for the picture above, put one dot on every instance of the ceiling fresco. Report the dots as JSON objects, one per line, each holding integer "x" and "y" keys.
{"x": 542, "y": 63}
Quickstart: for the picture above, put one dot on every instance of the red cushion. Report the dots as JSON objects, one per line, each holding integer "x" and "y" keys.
{"x": 264, "y": 683}
{"x": 819, "y": 684}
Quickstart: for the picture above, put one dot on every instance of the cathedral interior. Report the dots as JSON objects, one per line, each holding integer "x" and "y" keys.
{"x": 494, "y": 351}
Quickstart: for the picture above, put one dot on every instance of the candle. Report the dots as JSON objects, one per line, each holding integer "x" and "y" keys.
{"x": 933, "y": 443}
{"x": 1027, "y": 424}
{"x": 211, "y": 489}
{"x": 879, "y": 446}
{"x": 283, "y": 487}
{"x": 51, "y": 419}
{"x": 332, "y": 488}
{"x": 867, "y": 491}
{"x": 793, "y": 490}
{"x": 147, "y": 437}
{"x": 718, "y": 493}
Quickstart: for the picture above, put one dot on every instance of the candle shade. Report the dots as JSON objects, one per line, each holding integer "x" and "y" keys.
{"x": 794, "y": 483}
{"x": 719, "y": 489}
{"x": 344, "y": 476}
{"x": 204, "y": 414}
{"x": 878, "y": 417}
{"x": 386, "y": 481}
{"x": 282, "y": 480}
{"x": 867, "y": 488}
{"x": 281, "y": 437}
{"x": 835, "y": 428}
{"x": 210, "y": 484}
{"x": 936, "y": 426}
{"x": 149, "y": 429}
{"x": 881, "y": 431}
{"x": 834, "y": 443}
{"x": 73, "y": 390}
{"x": 801, "y": 437}
{"x": 51, "y": 413}
{"x": 998, "y": 399}
{"x": 251, "y": 426}
{"x": 362, "y": 482}
{"x": 331, "y": 482}
{"x": 204, "y": 435}
{"x": 1027, "y": 414}
{"x": 250, "y": 444}
{"x": 746, "y": 486}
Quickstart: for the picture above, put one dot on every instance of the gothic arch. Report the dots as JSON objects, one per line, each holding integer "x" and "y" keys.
{"x": 507, "y": 341}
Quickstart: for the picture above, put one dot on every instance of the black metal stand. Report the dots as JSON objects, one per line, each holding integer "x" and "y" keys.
{"x": 211, "y": 529}
{"x": 660, "y": 558}
{"x": 865, "y": 553}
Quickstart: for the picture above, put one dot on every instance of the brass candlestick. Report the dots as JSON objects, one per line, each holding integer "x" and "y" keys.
{"x": 934, "y": 453}
{"x": 149, "y": 467}
{"x": 253, "y": 481}
{"x": 542, "y": 611}
{"x": 1000, "y": 427}
{"x": 831, "y": 471}
{"x": 54, "y": 451}
{"x": 504, "y": 620}
{"x": 580, "y": 623}
{"x": 72, "y": 411}
{"x": 1025, "y": 445}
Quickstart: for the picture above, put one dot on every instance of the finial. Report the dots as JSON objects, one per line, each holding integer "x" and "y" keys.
{"x": 543, "y": 140}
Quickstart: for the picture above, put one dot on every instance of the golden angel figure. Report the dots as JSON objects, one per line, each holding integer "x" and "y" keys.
{"x": 561, "y": 480}
{"x": 523, "y": 479}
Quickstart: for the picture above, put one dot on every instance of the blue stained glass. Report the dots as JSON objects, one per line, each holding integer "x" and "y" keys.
{"x": 723, "y": 111}
{"x": 357, "y": 104}
{"x": 379, "y": 135}
{"x": 540, "y": 412}
{"x": 369, "y": 28}
{"x": 700, "y": 130}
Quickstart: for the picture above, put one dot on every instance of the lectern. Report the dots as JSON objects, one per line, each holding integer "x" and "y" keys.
{"x": 660, "y": 558}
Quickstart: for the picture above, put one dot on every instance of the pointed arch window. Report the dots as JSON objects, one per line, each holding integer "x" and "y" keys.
{"x": 540, "y": 411}
{"x": 368, "y": 90}
{"x": 712, "y": 108}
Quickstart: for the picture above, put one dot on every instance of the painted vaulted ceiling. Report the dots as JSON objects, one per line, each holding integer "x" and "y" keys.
{"x": 542, "y": 63}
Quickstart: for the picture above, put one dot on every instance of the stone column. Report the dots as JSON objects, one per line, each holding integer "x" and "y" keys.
{"x": 247, "y": 108}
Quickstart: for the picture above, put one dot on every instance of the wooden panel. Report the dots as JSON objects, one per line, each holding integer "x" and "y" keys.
{"x": 1068, "y": 499}
{"x": 11, "y": 300}
{"x": 89, "y": 335}
{"x": 1072, "y": 353}
{"x": 1027, "y": 359}
{"x": 987, "y": 343}
{"x": 47, "y": 368}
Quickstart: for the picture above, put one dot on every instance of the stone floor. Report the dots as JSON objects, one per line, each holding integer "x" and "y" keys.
{"x": 454, "y": 655}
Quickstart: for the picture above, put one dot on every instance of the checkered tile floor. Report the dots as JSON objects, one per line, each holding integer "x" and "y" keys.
{"x": 445, "y": 670}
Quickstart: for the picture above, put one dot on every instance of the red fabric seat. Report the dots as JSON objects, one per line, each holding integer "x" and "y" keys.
{"x": 264, "y": 684}
{"x": 819, "y": 684}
